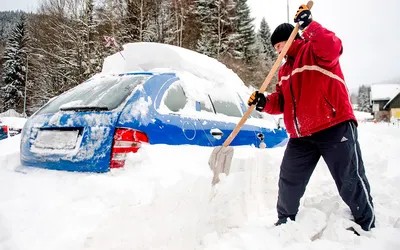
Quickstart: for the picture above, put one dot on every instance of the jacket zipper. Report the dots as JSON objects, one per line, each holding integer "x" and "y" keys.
{"x": 333, "y": 108}
{"x": 294, "y": 109}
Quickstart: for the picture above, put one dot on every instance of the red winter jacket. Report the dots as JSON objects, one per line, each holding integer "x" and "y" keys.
{"x": 311, "y": 93}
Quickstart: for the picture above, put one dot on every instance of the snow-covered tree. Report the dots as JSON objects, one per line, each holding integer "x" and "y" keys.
{"x": 225, "y": 22}
{"x": 139, "y": 20}
{"x": 165, "y": 22}
{"x": 216, "y": 19}
{"x": 88, "y": 26}
{"x": 14, "y": 68}
{"x": 264, "y": 37}
{"x": 67, "y": 46}
{"x": 206, "y": 44}
{"x": 363, "y": 98}
{"x": 244, "y": 37}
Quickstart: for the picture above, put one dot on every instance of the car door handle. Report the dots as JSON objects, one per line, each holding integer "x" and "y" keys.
{"x": 217, "y": 133}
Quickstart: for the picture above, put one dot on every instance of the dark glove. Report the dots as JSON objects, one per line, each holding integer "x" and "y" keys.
{"x": 303, "y": 16}
{"x": 257, "y": 99}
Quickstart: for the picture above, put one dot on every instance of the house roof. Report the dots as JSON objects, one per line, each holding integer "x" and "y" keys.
{"x": 394, "y": 97}
{"x": 384, "y": 92}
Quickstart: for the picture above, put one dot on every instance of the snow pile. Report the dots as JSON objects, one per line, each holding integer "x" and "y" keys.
{"x": 11, "y": 113}
{"x": 157, "y": 57}
{"x": 13, "y": 122}
{"x": 9, "y": 153}
{"x": 363, "y": 116}
{"x": 163, "y": 199}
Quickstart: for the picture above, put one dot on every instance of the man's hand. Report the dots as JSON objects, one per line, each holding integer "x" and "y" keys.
{"x": 257, "y": 99}
{"x": 303, "y": 16}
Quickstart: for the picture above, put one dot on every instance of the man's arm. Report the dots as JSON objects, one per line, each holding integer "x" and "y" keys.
{"x": 274, "y": 104}
{"x": 324, "y": 43}
{"x": 326, "y": 46}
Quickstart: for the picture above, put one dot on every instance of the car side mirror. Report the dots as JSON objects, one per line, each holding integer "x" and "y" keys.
{"x": 281, "y": 123}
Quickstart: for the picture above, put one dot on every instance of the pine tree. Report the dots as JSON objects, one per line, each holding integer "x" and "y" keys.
{"x": 207, "y": 42}
{"x": 216, "y": 26}
{"x": 205, "y": 10}
{"x": 264, "y": 37}
{"x": 14, "y": 68}
{"x": 244, "y": 36}
{"x": 364, "y": 98}
{"x": 139, "y": 21}
{"x": 223, "y": 18}
{"x": 164, "y": 22}
{"x": 133, "y": 21}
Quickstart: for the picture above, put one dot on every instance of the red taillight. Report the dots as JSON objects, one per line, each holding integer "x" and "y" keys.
{"x": 5, "y": 128}
{"x": 125, "y": 141}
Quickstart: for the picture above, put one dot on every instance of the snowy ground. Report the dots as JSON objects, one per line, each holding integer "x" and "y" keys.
{"x": 163, "y": 200}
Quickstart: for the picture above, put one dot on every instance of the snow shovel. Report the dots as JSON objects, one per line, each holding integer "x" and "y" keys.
{"x": 221, "y": 157}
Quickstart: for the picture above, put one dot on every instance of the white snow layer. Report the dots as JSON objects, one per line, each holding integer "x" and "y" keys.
{"x": 163, "y": 199}
{"x": 385, "y": 91}
{"x": 13, "y": 122}
{"x": 157, "y": 57}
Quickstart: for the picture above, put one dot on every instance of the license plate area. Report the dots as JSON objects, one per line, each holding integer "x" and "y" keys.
{"x": 57, "y": 139}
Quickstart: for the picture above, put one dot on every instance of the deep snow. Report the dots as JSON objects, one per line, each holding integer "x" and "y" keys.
{"x": 163, "y": 199}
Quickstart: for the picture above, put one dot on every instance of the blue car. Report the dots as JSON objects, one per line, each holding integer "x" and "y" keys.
{"x": 92, "y": 127}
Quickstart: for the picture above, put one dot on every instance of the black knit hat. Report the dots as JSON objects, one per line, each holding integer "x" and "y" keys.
{"x": 282, "y": 33}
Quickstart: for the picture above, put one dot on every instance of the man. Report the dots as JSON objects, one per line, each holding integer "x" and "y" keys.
{"x": 319, "y": 119}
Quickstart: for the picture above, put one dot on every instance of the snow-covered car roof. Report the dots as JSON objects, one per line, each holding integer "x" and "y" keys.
{"x": 199, "y": 73}
{"x": 158, "y": 57}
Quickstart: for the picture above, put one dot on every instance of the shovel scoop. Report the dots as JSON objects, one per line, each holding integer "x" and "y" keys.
{"x": 221, "y": 156}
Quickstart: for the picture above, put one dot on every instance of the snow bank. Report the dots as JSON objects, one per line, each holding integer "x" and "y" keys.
{"x": 163, "y": 199}
{"x": 363, "y": 116}
{"x": 11, "y": 113}
{"x": 13, "y": 122}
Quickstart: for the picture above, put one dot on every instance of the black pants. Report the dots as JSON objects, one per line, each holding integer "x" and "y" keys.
{"x": 339, "y": 148}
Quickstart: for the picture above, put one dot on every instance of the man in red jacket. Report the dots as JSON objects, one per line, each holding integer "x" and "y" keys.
{"x": 314, "y": 100}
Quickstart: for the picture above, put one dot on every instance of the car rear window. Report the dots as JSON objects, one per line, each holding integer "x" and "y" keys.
{"x": 107, "y": 93}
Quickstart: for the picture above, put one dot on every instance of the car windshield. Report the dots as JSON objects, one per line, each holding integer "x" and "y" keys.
{"x": 98, "y": 94}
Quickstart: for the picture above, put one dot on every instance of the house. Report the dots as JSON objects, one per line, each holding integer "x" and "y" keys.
{"x": 385, "y": 101}
{"x": 393, "y": 105}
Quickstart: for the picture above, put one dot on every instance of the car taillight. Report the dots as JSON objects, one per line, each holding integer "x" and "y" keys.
{"x": 125, "y": 141}
{"x": 5, "y": 128}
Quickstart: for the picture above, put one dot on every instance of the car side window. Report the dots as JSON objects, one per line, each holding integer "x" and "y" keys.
{"x": 206, "y": 105}
{"x": 175, "y": 98}
{"x": 226, "y": 108}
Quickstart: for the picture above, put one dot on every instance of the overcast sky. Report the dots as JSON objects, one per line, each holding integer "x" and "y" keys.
{"x": 368, "y": 29}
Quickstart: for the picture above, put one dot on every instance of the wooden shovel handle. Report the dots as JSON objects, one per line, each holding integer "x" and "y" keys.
{"x": 267, "y": 81}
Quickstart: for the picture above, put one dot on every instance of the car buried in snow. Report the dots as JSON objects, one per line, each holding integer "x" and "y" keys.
{"x": 92, "y": 127}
